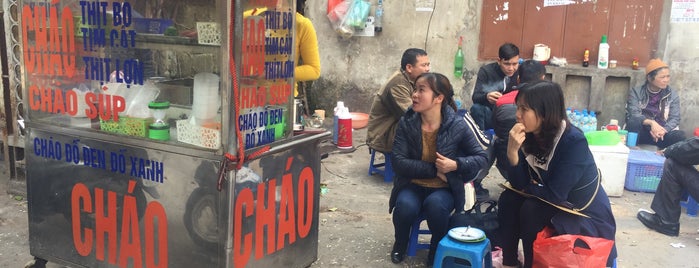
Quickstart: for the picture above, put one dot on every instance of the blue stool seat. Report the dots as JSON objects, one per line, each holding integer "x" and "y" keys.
{"x": 384, "y": 169}
{"x": 415, "y": 232}
{"x": 452, "y": 253}
{"x": 691, "y": 205}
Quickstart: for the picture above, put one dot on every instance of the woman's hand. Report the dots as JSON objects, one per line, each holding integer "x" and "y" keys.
{"x": 444, "y": 164}
{"x": 515, "y": 141}
{"x": 657, "y": 131}
{"x": 442, "y": 176}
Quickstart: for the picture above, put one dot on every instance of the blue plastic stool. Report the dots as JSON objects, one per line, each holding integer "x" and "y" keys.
{"x": 384, "y": 169}
{"x": 691, "y": 205}
{"x": 415, "y": 232}
{"x": 450, "y": 251}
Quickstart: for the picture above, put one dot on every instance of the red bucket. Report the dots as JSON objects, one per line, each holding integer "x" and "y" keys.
{"x": 696, "y": 132}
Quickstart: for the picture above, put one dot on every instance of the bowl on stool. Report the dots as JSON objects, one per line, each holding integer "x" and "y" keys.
{"x": 359, "y": 120}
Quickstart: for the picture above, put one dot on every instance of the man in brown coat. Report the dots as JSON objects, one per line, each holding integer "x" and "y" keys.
{"x": 393, "y": 99}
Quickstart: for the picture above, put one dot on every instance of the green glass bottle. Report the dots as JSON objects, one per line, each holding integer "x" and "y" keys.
{"x": 459, "y": 60}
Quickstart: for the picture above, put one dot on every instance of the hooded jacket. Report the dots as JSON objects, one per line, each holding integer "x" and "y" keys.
{"x": 454, "y": 140}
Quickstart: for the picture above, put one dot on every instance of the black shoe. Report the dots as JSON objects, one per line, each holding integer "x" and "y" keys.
{"x": 653, "y": 221}
{"x": 397, "y": 255}
{"x": 482, "y": 194}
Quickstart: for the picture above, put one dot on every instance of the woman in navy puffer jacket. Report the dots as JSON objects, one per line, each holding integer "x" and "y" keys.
{"x": 434, "y": 154}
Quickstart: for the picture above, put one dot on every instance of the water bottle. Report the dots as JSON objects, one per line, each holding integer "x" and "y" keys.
{"x": 378, "y": 17}
{"x": 593, "y": 121}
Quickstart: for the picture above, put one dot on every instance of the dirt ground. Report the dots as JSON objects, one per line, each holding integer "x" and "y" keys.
{"x": 356, "y": 230}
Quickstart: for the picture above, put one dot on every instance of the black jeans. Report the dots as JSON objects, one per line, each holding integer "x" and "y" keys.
{"x": 644, "y": 137}
{"x": 520, "y": 218}
{"x": 677, "y": 179}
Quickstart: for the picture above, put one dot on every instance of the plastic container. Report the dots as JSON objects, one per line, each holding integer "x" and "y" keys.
{"x": 631, "y": 138}
{"x": 622, "y": 135}
{"x": 602, "y": 137}
{"x": 644, "y": 171}
{"x": 206, "y": 99}
{"x": 603, "y": 54}
{"x": 344, "y": 129}
{"x": 340, "y": 105}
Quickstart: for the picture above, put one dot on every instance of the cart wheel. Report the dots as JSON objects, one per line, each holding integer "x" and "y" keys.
{"x": 36, "y": 263}
{"x": 201, "y": 218}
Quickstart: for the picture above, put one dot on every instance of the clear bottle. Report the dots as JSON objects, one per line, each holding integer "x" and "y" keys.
{"x": 603, "y": 54}
{"x": 378, "y": 17}
{"x": 593, "y": 121}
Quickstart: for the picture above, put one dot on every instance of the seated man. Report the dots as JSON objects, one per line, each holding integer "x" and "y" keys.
{"x": 504, "y": 117}
{"x": 679, "y": 175}
{"x": 653, "y": 109}
{"x": 393, "y": 99}
{"x": 493, "y": 80}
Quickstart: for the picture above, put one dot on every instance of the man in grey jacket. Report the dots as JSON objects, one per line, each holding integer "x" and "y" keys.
{"x": 679, "y": 175}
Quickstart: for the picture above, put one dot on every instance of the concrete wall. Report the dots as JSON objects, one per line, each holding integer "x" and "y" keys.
{"x": 353, "y": 69}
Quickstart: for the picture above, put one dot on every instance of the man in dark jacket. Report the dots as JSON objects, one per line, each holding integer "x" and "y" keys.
{"x": 494, "y": 79}
{"x": 679, "y": 175}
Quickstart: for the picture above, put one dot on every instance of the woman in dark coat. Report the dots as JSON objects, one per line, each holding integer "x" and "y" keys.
{"x": 550, "y": 159}
{"x": 434, "y": 154}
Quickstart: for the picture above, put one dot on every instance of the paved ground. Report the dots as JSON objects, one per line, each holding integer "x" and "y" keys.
{"x": 356, "y": 229}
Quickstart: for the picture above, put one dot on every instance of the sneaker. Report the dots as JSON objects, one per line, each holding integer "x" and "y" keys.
{"x": 653, "y": 221}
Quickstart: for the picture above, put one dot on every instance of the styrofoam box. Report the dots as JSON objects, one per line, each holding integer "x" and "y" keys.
{"x": 611, "y": 160}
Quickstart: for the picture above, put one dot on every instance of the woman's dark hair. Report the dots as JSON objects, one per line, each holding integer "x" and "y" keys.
{"x": 410, "y": 57}
{"x": 546, "y": 99}
{"x": 440, "y": 85}
{"x": 300, "y": 5}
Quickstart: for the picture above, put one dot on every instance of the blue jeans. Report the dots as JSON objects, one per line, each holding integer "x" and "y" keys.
{"x": 483, "y": 115}
{"x": 436, "y": 204}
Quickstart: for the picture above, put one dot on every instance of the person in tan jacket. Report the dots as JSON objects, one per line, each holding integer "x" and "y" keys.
{"x": 393, "y": 99}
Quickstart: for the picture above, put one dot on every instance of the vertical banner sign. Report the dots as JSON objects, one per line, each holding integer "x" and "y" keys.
{"x": 267, "y": 72}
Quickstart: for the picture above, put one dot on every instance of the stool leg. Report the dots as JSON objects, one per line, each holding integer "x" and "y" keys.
{"x": 388, "y": 168}
{"x": 691, "y": 206}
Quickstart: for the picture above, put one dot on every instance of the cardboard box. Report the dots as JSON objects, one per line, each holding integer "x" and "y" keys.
{"x": 611, "y": 160}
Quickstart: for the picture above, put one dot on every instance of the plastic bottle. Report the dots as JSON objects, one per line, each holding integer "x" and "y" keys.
{"x": 459, "y": 60}
{"x": 603, "y": 54}
{"x": 569, "y": 112}
{"x": 586, "y": 58}
{"x": 593, "y": 121}
{"x": 344, "y": 129}
{"x": 340, "y": 105}
{"x": 613, "y": 125}
{"x": 378, "y": 17}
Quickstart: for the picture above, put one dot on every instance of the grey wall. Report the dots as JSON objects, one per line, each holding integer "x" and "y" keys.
{"x": 352, "y": 69}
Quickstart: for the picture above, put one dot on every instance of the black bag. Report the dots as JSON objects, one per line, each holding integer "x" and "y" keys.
{"x": 486, "y": 220}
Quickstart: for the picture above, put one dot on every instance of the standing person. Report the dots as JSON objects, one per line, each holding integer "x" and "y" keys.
{"x": 393, "y": 99}
{"x": 493, "y": 80}
{"x": 434, "y": 154}
{"x": 679, "y": 176}
{"x": 549, "y": 160}
{"x": 504, "y": 114}
{"x": 307, "y": 58}
{"x": 653, "y": 109}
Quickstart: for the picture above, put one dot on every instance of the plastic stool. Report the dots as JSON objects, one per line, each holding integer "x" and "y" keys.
{"x": 384, "y": 169}
{"x": 691, "y": 205}
{"x": 415, "y": 232}
{"x": 450, "y": 250}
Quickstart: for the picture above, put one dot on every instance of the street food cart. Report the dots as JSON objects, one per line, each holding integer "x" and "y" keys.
{"x": 160, "y": 135}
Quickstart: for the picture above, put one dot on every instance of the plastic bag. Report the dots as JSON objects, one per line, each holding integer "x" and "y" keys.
{"x": 496, "y": 254}
{"x": 336, "y": 15}
{"x": 483, "y": 215}
{"x": 571, "y": 251}
{"x": 357, "y": 14}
